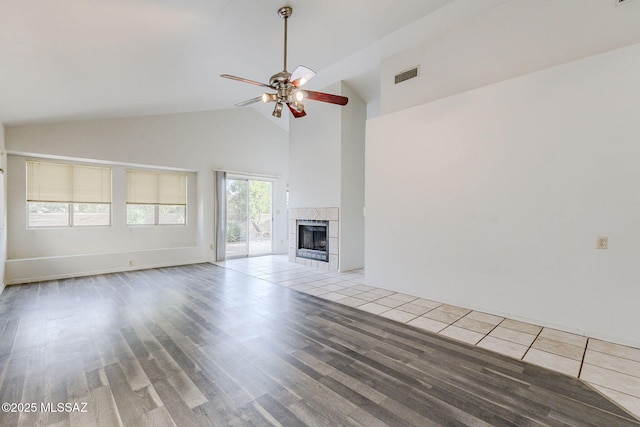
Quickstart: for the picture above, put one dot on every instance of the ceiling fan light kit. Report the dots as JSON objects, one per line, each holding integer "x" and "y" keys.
{"x": 287, "y": 85}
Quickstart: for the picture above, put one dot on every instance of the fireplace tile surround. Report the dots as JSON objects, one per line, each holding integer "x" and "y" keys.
{"x": 317, "y": 214}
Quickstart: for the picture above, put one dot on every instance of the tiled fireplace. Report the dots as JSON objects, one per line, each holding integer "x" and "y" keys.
{"x": 314, "y": 237}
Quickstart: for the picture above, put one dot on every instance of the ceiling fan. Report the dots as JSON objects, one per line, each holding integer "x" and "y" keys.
{"x": 287, "y": 85}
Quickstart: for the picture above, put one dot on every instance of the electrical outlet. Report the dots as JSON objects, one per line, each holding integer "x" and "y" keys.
{"x": 130, "y": 263}
{"x": 603, "y": 242}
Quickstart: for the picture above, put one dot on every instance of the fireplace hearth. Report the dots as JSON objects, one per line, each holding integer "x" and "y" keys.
{"x": 313, "y": 240}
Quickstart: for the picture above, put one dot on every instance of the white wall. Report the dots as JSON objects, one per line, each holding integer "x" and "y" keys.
{"x": 315, "y": 155}
{"x": 493, "y": 199}
{"x": 352, "y": 181}
{"x": 3, "y": 206}
{"x": 505, "y": 41}
{"x": 326, "y": 153}
{"x": 239, "y": 140}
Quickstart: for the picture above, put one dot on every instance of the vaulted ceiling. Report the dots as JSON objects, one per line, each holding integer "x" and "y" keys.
{"x": 64, "y": 60}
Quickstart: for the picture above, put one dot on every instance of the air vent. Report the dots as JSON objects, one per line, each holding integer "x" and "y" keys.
{"x": 406, "y": 75}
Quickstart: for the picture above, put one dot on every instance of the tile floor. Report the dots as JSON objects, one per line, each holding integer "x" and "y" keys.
{"x": 612, "y": 369}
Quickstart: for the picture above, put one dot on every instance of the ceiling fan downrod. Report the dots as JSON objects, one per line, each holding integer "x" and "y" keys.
{"x": 284, "y": 13}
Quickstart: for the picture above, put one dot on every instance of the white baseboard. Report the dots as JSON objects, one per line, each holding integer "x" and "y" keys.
{"x": 30, "y": 270}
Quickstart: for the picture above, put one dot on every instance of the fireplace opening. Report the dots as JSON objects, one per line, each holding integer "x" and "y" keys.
{"x": 313, "y": 240}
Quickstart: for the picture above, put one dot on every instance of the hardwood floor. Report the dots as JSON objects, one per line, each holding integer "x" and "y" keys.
{"x": 206, "y": 346}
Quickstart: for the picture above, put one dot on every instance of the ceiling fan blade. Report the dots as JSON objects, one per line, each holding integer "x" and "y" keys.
{"x": 297, "y": 114}
{"x": 301, "y": 75}
{"x": 249, "y": 101}
{"x": 240, "y": 79}
{"x": 326, "y": 97}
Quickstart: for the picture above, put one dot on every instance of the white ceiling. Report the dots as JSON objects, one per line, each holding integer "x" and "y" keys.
{"x": 63, "y": 60}
{"x": 76, "y": 59}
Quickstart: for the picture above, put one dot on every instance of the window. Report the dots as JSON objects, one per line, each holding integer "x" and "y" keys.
{"x": 156, "y": 198}
{"x": 66, "y": 195}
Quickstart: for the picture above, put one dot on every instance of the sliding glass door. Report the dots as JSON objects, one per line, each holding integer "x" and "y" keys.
{"x": 249, "y": 217}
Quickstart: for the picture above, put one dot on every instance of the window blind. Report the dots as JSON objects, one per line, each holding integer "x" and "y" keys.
{"x": 155, "y": 188}
{"x": 59, "y": 182}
